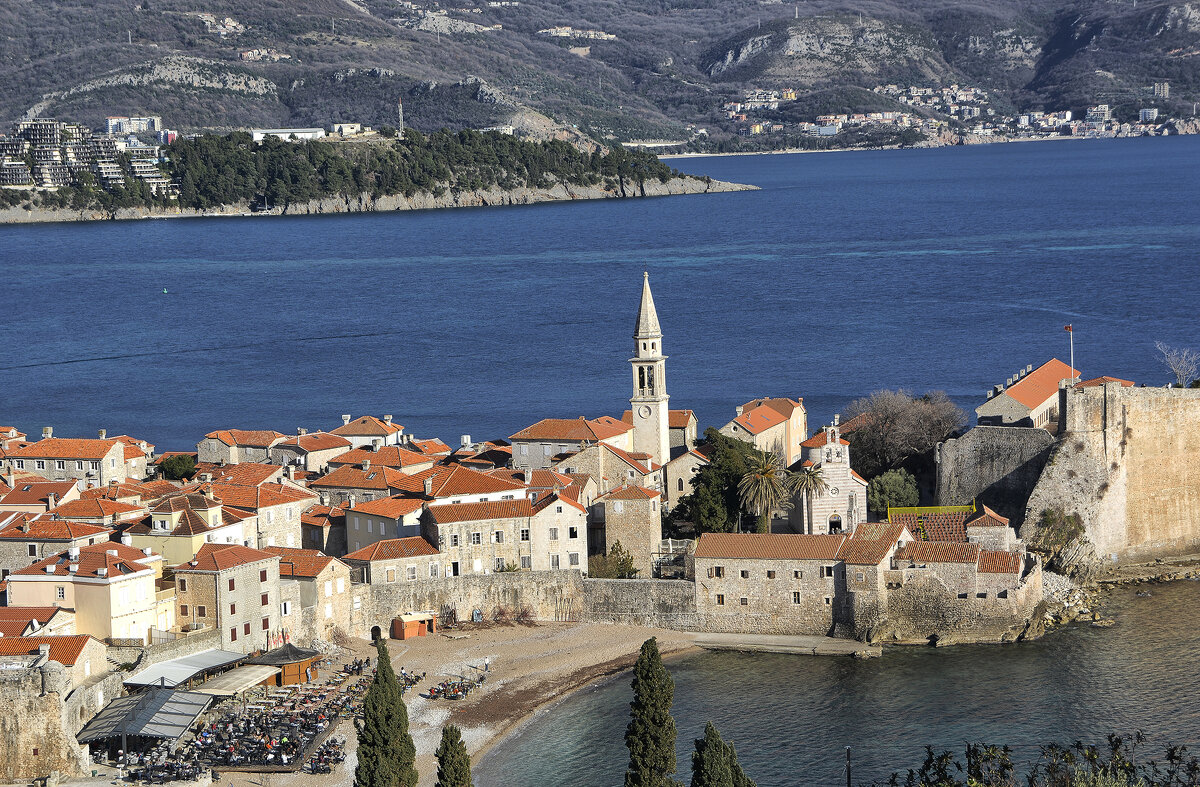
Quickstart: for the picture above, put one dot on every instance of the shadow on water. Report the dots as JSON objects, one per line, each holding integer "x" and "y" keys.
{"x": 791, "y": 716}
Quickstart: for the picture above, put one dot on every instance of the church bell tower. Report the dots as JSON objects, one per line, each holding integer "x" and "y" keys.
{"x": 651, "y": 427}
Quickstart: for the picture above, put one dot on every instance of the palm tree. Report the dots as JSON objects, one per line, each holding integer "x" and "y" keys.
{"x": 766, "y": 486}
{"x": 810, "y": 482}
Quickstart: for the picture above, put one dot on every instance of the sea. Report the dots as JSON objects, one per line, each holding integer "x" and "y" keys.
{"x": 944, "y": 269}
{"x": 792, "y": 717}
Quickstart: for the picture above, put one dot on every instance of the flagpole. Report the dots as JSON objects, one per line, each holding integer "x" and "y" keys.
{"x": 1072, "y": 333}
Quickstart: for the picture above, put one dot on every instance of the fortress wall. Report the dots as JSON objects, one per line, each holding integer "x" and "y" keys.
{"x": 998, "y": 466}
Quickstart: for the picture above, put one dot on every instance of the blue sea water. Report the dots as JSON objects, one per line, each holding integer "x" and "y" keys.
{"x": 925, "y": 269}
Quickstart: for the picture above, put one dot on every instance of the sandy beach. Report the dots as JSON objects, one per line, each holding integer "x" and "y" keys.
{"x": 531, "y": 667}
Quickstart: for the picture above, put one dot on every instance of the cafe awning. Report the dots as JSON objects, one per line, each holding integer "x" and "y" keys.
{"x": 154, "y": 713}
{"x": 237, "y": 680}
{"x": 182, "y": 669}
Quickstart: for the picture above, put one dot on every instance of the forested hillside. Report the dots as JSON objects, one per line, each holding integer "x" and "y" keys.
{"x": 474, "y": 63}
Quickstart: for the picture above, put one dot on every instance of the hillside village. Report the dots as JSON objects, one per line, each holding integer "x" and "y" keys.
{"x": 119, "y": 570}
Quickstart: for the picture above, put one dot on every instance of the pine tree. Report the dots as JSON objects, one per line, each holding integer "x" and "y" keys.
{"x": 454, "y": 764}
{"x": 650, "y": 735}
{"x": 715, "y": 764}
{"x": 386, "y": 753}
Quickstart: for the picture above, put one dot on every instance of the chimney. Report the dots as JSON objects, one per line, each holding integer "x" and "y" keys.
{"x": 1028, "y": 368}
{"x": 528, "y": 476}
{"x": 102, "y": 572}
{"x": 51, "y": 500}
{"x": 366, "y": 465}
{"x": 350, "y": 501}
{"x": 147, "y": 551}
{"x": 345, "y": 420}
{"x": 73, "y": 553}
{"x": 47, "y": 432}
{"x": 127, "y": 540}
{"x": 387, "y": 419}
{"x": 112, "y": 552}
{"x": 429, "y": 487}
{"x": 10, "y": 477}
{"x": 324, "y": 498}
{"x": 376, "y": 443}
{"x": 44, "y": 650}
{"x": 300, "y": 430}
{"x": 407, "y": 438}
{"x": 73, "y": 568}
{"x": 289, "y": 472}
{"x": 737, "y": 411}
{"x": 464, "y": 441}
{"x": 102, "y": 433}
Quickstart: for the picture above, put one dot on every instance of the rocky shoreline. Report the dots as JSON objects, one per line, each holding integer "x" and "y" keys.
{"x": 364, "y": 203}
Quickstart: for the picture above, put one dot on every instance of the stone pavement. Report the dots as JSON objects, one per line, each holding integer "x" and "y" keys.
{"x": 799, "y": 644}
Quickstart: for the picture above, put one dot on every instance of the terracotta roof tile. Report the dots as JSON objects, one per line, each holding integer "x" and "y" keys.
{"x": 116, "y": 560}
{"x": 939, "y": 526}
{"x": 573, "y": 429}
{"x": 473, "y": 512}
{"x": 65, "y": 448}
{"x": 317, "y": 441}
{"x": 938, "y": 552}
{"x": 395, "y": 548}
{"x": 241, "y": 474}
{"x": 431, "y": 447}
{"x": 25, "y": 614}
{"x": 354, "y": 477}
{"x": 870, "y": 543}
{"x": 308, "y": 563}
{"x": 65, "y": 649}
{"x": 769, "y": 546}
{"x": 759, "y": 419}
{"x": 220, "y": 557}
{"x": 1039, "y": 385}
{"x": 42, "y": 527}
{"x": 988, "y": 518}
{"x": 390, "y": 507}
{"x": 27, "y": 493}
{"x": 458, "y": 480}
{"x": 251, "y": 438}
{"x": 997, "y": 562}
{"x": 95, "y": 509}
{"x": 630, "y": 492}
{"x": 1097, "y": 381}
{"x": 368, "y": 426}
{"x": 392, "y": 456}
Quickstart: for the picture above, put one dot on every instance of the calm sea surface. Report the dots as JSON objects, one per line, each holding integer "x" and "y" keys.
{"x": 792, "y": 716}
{"x": 947, "y": 268}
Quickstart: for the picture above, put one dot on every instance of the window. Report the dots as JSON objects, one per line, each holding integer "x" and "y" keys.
{"x": 573, "y": 559}
{"x": 263, "y": 599}
{"x": 328, "y": 588}
{"x": 412, "y": 573}
{"x": 558, "y": 509}
{"x": 112, "y": 463}
{"x": 357, "y": 602}
{"x": 797, "y": 575}
{"x": 554, "y": 534}
{"x": 329, "y": 610}
{"x": 231, "y": 585}
{"x": 233, "y": 609}
{"x": 356, "y": 523}
{"x": 433, "y": 570}
{"x": 524, "y": 534}
{"x": 246, "y": 629}
{"x": 745, "y": 574}
{"x": 32, "y": 550}
{"x": 96, "y": 465}
{"x": 981, "y": 595}
{"x": 770, "y": 575}
{"x": 827, "y": 572}
{"x": 390, "y": 575}
{"x": 499, "y": 564}
{"x": 681, "y": 485}
{"x": 859, "y": 576}
{"x": 454, "y": 539}
{"x": 718, "y": 571}
{"x": 182, "y": 585}
{"x": 202, "y": 611}
{"x": 285, "y": 608}
{"x": 233, "y": 634}
{"x": 60, "y": 465}
{"x": 20, "y": 464}
{"x": 341, "y": 584}
{"x": 60, "y": 592}
{"x": 183, "y": 610}
{"x": 795, "y": 596}
{"x": 526, "y": 561}
{"x": 498, "y": 537}
{"x": 41, "y": 464}
{"x": 79, "y": 465}
{"x": 829, "y": 601}
{"x": 266, "y": 624}
{"x": 554, "y": 561}
{"x": 572, "y": 532}
{"x": 745, "y": 602}
{"x": 382, "y": 530}
{"x": 476, "y": 539}
{"x": 720, "y": 599}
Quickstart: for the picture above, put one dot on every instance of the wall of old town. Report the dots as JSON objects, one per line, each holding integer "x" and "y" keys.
{"x": 998, "y": 466}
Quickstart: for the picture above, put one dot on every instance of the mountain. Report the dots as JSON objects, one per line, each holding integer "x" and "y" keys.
{"x": 653, "y": 67}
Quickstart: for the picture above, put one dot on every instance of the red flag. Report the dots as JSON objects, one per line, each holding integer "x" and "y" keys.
{"x": 1067, "y": 328}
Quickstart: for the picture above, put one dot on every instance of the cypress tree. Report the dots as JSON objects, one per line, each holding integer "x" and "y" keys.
{"x": 454, "y": 764}
{"x": 386, "y": 753}
{"x": 714, "y": 763}
{"x": 650, "y": 735}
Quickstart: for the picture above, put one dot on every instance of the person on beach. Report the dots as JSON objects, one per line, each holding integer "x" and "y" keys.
{"x": 487, "y": 663}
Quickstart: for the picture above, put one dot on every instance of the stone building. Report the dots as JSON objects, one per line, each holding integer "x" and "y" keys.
{"x": 776, "y": 425}
{"x": 324, "y": 528}
{"x": 678, "y": 475}
{"x": 95, "y": 462}
{"x": 99, "y": 511}
{"x": 631, "y": 515}
{"x": 234, "y": 589}
{"x": 380, "y": 520}
{"x": 310, "y": 451}
{"x": 393, "y": 456}
{"x": 42, "y": 621}
{"x": 612, "y": 467}
{"x": 276, "y": 509}
{"x": 350, "y": 484}
{"x": 231, "y": 446}
{"x": 1029, "y": 398}
{"x": 110, "y": 586}
{"x": 682, "y": 429}
{"x": 178, "y": 525}
{"x": 649, "y": 409}
{"x": 324, "y": 588}
{"x": 541, "y": 445}
{"x": 81, "y": 654}
{"x": 28, "y": 538}
{"x": 396, "y": 560}
{"x": 367, "y": 429}
{"x": 843, "y": 503}
{"x": 38, "y": 496}
{"x": 480, "y": 538}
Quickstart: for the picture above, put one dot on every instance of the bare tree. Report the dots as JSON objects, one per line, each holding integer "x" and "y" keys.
{"x": 896, "y": 425}
{"x": 1180, "y": 361}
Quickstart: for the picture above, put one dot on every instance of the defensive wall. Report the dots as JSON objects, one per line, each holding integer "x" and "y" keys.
{"x": 1128, "y": 463}
{"x": 998, "y": 466}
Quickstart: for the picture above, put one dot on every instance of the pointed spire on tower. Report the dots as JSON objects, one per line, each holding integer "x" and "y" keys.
{"x": 647, "y": 318}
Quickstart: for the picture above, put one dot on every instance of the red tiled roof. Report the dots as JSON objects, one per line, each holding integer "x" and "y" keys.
{"x": 459, "y": 480}
{"x": 65, "y": 448}
{"x": 65, "y": 648}
{"x": 573, "y": 429}
{"x": 783, "y": 405}
{"x": 395, "y": 548}
{"x": 640, "y": 462}
{"x": 220, "y": 557}
{"x": 938, "y": 552}
{"x": 820, "y": 439}
{"x": 759, "y": 419}
{"x": 997, "y": 562}
{"x": 116, "y": 559}
{"x": 1097, "y": 381}
{"x": 94, "y": 509}
{"x": 941, "y": 526}
{"x": 390, "y": 507}
{"x": 254, "y": 497}
{"x": 184, "y": 501}
{"x": 317, "y": 441}
{"x": 34, "y": 492}
{"x": 323, "y": 516}
{"x": 43, "y": 528}
{"x": 25, "y": 614}
{"x": 542, "y": 504}
{"x": 1042, "y": 383}
{"x": 473, "y": 512}
{"x": 251, "y": 438}
{"x": 769, "y": 546}
{"x": 307, "y": 563}
{"x": 354, "y": 477}
{"x": 241, "y": 474}
{"x": 870, "y": 543}
{"x": 676, "y": 419}
{"x": 988, "y": 518}
{"x": 386, "y": 456}
{"x": 630, "y": 492}
{"x": 368, "y": 426}
{"x": 430, "y": 447}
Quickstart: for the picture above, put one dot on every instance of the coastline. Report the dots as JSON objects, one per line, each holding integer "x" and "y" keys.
{"x": 929, "y": 146}
{"x": 364, "y": 203}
